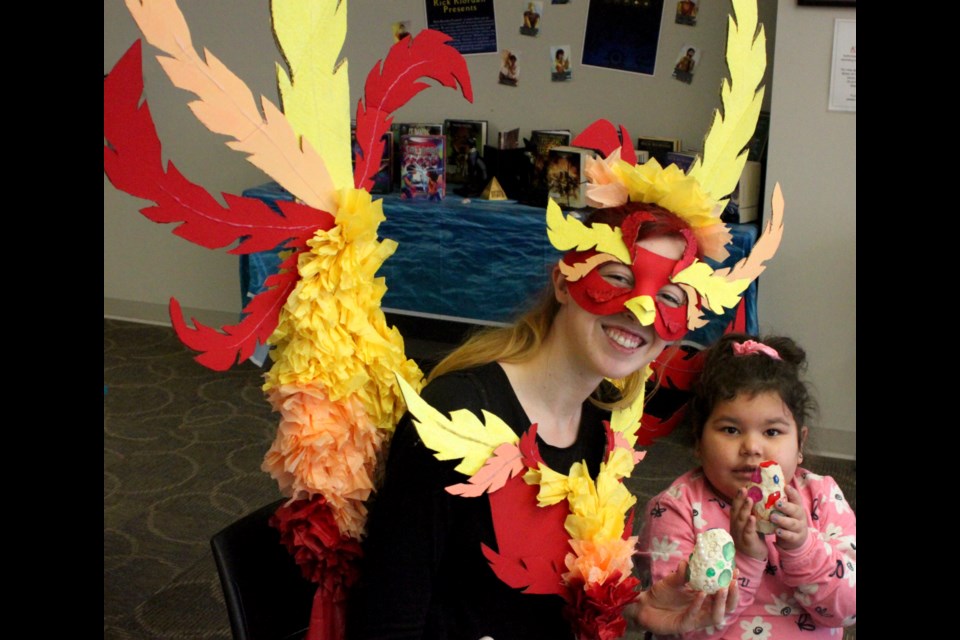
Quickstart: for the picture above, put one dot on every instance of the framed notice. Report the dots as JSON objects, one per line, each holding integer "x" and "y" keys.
{"x": 470, "y": 23}
{"x": 622, "y": 35}
{"x": 843, "y": 70}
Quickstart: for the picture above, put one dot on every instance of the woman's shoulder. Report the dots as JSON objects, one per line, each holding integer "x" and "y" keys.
{"x": 470, "y": 388}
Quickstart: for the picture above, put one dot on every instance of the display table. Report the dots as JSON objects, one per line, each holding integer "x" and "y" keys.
{"x": 477, "y": 261}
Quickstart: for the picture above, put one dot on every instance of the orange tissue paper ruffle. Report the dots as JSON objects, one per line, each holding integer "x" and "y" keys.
{"x": 594, "y": 562}
{"x": 324, "y": 447}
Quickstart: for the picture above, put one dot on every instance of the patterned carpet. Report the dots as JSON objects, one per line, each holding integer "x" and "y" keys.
{"x": 182, "y": 447}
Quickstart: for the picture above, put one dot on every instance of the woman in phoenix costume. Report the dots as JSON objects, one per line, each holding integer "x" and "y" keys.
{"x": 339, "y": 370}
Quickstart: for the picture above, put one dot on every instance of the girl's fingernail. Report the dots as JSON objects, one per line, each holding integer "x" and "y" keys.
{"x": 779, "y": 532}
{"x": 779, "y": 503}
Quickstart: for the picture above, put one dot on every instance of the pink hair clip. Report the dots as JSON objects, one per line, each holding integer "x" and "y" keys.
{"x": 748, "y": 347}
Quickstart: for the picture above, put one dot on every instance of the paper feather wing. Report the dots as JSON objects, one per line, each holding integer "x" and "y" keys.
{"x": 225, "y": 105}
{"x": 132, "y": 161}
{"x": 724, "y": 152}
{"x": 461, "y": 436}
{"x": 566, "y": 232}
{"x": 316, "y": 94}
{"x": 394, "y": 82}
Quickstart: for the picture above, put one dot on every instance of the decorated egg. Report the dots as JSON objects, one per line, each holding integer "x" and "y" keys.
{"x": 710, "y": 567}
{"x": 765, "y": 489}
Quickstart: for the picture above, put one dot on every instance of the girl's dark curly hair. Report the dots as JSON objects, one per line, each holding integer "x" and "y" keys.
{"x": 726, "y": 375}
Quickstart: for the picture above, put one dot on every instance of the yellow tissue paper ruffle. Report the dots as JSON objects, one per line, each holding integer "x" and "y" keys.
{"x": 332, "y": 333}
{"x": 554, "y": 486}
{"x": 614, "y": 181}
{"x": 596, "y": 520}
{"x": 597, "y": 509}
{"x": 327, "y": 448}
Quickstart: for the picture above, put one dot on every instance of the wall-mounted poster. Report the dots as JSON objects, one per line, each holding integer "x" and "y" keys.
{"x": 686, "y": 64}
{"x": 622, "y": 36}
{"x": 531, "y": 19}
{"x": 687, "y": 12}
{"x": 471, "y": 24}
{"x": 560, "y": 63}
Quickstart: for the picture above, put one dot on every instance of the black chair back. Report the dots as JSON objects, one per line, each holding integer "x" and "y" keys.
{"x": 267, "y": 597}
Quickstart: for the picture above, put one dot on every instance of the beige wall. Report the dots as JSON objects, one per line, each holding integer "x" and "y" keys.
{"x": 144, "y": 264}
{"x": 810, "y": 290}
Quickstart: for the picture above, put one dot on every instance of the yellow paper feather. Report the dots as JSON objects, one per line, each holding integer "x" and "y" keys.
{"x": 717, "y": 292}
{"x": 462, "y": 435}
{"x": 566, "y": 232}
{"x": 225, "y": 105}
{"x": 721, "y": 289}
{"x": 753, "y": 265}
{"x": 627, "y": 419}
{"x": 316, "y": 95}
{"x": 723, "y": 149}
{"x": 579, "y": 270}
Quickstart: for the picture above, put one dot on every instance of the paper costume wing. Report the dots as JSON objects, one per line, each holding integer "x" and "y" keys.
{"x": 390, "y": 85}
{"x": 132, "y": 161}
{"x": 462, "y": 436}
{"x": 225, "y": 105}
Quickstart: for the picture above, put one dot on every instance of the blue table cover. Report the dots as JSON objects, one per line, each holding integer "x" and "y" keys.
{"x": 478, "y": 261}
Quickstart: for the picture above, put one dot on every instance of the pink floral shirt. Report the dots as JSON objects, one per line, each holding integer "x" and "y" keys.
{"x": 810, "y": 592}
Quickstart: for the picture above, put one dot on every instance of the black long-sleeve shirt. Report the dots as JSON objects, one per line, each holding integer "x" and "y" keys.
{"x": 423, "y": 574}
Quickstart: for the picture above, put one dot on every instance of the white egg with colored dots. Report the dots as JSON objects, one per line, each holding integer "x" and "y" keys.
{"x": 711, "y": 564}
{"x": 765, "y": 489}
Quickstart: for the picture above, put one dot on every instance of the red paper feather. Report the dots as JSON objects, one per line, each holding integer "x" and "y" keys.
{"x": 531, "y": 539}
{"x": 652, "y": 427}
{"x": 236, "y": 343}
{"x": 529, "y": 448}
{"x": 389, "y": 86}
{"x": 505, "y": 463}
{"x": 133, "y": 162}
{"x": 602, "y": 135}
{"x": 679, "y": 368}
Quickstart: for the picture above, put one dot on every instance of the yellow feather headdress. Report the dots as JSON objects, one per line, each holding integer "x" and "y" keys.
{"x": 699, "y": 196}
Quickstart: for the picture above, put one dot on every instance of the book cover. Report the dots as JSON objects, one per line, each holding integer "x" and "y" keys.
{"x": 400, "y": 129}
{"x": 565, "y": 175}
{"x": 643, "y": 156}
{"x": 383, "y": 181}
{"x": 758, "y": 143}
{"x": 541, "y": 141}
{"x": 384, "y": 178}
{"x": 465, "y": 142}
{"x": 422, "y": 167}
{"x": 508, "y": 139}
{"x": 744, "y": 205}
{"x": 658, "y": 147}
{"x": 683, "y": 159}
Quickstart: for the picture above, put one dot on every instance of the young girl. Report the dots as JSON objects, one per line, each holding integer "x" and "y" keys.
{"x": 750, "y": 405}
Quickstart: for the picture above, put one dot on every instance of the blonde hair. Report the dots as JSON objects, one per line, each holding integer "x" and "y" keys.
{"x": 520, "y": 341}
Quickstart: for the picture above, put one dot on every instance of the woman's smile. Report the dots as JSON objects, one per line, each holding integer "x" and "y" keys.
{"x": 625, "y": 339}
